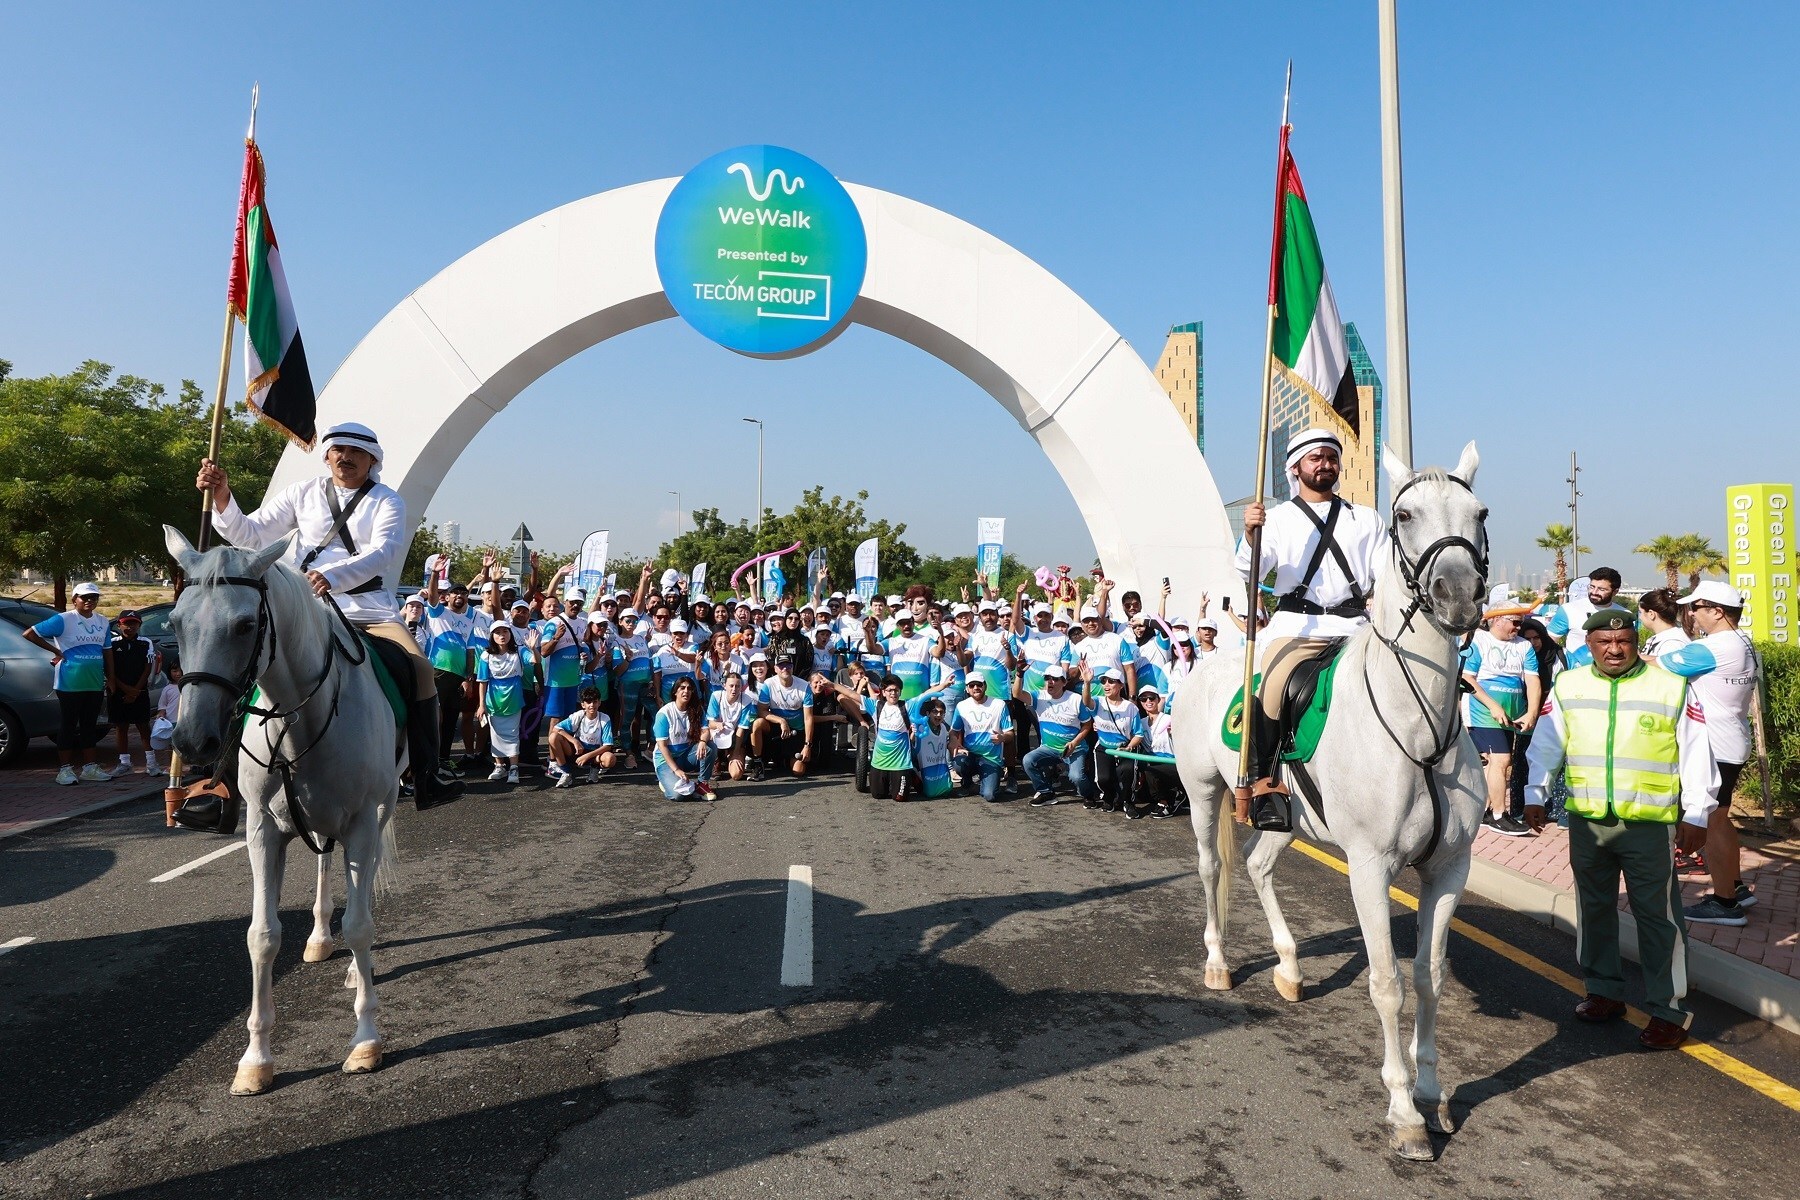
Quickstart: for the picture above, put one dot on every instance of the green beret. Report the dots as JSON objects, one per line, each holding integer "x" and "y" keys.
{"x": 1608, "y": 618}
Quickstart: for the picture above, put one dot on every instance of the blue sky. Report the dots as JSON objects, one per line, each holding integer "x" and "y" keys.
{"x": 1600, "y": 214}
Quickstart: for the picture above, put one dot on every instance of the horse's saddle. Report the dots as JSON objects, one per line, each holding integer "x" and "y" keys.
{"x": 392, "y": 664}
{"x": 1305, "y": 704}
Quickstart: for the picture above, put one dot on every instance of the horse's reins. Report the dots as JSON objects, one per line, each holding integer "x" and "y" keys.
{"x": 239, "y": 690}
{"x": 1412, "y": 571}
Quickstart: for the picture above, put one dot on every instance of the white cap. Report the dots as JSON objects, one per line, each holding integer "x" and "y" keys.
{"x": 895, "y": 601}
{"x": 86, "y": 589}
{"x": 1308, "y": 440}
{"x": 759, "y": 656}
{"x": 702, "y": 598}
{"x": 1088, "y": 610}
{"x": 357, "y": 437}
{"x": 1055, "y": 672}
{"x": 487, "y": 587}
{"x": 835, "y": 596}
{"x": 415, "y": 598}
{"x": 1005, "y": 610}
{"x": 959, "y": 609}
{"x": 1179, "y": 623}
{"x": 1715, "y": 591}
{"x": 627, "y": 611}
{"x": 670, "y": 578}
{"x": 853, "y": 598}
{"x": 987, "y": 606}
{"x": 574, "y": 594}
{"x": 818, "y": 629}
{"x": 1207, "y": 623}
{"x": 904, "y": 614}
{"x": 1113, "y": 673}
{"x": 516, "y": 604}
{"x": 1150, "y": 689}
{"x": 678, "y": 626}
{"x": 1062, "y": 617}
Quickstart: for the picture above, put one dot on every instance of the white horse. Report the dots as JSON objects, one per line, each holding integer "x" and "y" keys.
{"x": 1393, "y": 723}
{"x": 318, "y": 760}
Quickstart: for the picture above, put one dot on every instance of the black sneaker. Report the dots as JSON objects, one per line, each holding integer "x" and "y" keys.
{"x": 1746, "y": 895}
{"x": 1133, "y": 812}
{"x": 758, "y": 772}
{"x": 1092, "y": 802}
{"x": 1713, "y": 911}
{"x": 1042, "y": 799}
{"x": 1506, "y": 826}
{"x": 1161, "y": 812}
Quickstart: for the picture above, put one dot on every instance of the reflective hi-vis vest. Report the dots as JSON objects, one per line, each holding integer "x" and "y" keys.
{"x": 1619, "y": 737}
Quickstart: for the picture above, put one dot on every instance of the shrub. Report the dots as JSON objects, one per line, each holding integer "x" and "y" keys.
{"x": 1781, "y": 721}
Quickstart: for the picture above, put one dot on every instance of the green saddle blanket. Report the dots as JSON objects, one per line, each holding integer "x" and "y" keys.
{"x": 1307, "y": 727}
{"x": 389, "y": 688}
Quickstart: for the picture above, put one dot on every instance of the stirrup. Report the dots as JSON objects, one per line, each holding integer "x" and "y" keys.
{"x": 1271, "y": 807}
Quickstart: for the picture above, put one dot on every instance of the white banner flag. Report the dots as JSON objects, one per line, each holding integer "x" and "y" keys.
{"x": 590, "y": 565}
{"x": 697, "y": 578}
{"x": 868, "y": 568}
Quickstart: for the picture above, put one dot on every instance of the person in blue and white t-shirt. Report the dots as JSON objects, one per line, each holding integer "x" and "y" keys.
{"x": 783, "y": 730}
{"x": 77, "y": 641}
{"x": 1104, "y": 647}
{"x": 982, "y": 726}
{"x": 1502, "y": 668}
{"x": 1066, "y": 729}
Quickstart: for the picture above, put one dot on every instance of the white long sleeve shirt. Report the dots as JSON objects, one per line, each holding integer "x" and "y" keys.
{"x": 378, "y": 527}
{"x": 1288, "y": 543}
{"x": 1699, "y": 771}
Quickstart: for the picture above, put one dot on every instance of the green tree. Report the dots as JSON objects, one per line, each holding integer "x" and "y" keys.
{"x": 1670, "y": 551}
{"x": 1561, "y": 539}
{"x": 91, "y": 466}
{"x": 838, "y": 524}
{"x": 1701, "y": 557}
{"x": 947, "y": 577}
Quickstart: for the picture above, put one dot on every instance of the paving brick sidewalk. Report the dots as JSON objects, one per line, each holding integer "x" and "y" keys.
{"x": 30, "y": 797}
{"x": 1771, "y": 939}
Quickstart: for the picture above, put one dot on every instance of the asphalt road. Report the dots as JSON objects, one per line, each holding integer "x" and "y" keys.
{"x": 581, "y": 992}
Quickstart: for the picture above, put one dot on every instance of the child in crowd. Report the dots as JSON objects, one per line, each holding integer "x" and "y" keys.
{"x": 582, "y": 739}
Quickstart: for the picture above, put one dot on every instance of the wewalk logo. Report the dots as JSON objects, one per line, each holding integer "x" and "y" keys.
{"x": 761, "y": 250}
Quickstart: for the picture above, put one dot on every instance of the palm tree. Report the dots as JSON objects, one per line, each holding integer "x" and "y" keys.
{"x": 1671, "y": 551}
{"x": 1702, "y": 558}
{"x": 1561, "y": 539}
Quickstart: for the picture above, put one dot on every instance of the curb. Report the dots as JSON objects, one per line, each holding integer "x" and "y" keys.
{"x": 155, "y": 790}
{"x": 1765, "y": 994}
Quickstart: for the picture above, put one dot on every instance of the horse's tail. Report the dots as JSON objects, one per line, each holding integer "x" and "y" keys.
{"x": 1225, "y": 843}
{"x": 387, "y": 862}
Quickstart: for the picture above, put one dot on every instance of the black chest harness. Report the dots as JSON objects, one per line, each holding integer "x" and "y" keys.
{"x": 240, "y": 687}
{"x": 1295, "y": 599}
{"x": 340, "y": 529}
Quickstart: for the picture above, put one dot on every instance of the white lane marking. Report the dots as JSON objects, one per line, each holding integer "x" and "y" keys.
{"x": 184, "y": 868}
{"x": 16, "y": 943}
{"x": 797, "y": 941}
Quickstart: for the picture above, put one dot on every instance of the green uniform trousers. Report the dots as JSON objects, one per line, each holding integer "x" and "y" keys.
{"x": 1644, "y": 851}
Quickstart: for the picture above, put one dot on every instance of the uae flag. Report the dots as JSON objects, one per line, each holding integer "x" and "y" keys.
{"x": 278, "y": 386}
{"x": 1309, "y": 337}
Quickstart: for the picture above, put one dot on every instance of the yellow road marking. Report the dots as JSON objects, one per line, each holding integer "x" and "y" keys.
{"x": 1757, "y": 1081}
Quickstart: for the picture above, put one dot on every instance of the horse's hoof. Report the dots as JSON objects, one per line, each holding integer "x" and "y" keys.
{"x": 1218, "y": 978}
{"x": 1438, "y": 1117}
{"x": 319, "y": 951}
{"x": 253, "y": 1081}
{"x": 1410, "y": 1142}
{"x": 1292, "y": 990}
{"x": 363, "y": 1059}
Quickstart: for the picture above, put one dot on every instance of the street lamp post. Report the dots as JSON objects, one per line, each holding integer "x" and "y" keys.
{"x": 759, "y": 479}
{"x": 677, "y": 496}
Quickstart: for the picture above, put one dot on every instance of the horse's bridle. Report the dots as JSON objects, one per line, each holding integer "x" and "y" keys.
{"x": 239, "y": 689}
{"x": 1413, "y": 572}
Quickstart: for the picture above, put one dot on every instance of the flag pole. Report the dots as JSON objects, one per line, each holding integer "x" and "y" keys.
{"x": 175, "y": 793}
{"x": 1398, "y": 397}
{"x": 1252, "y": 604}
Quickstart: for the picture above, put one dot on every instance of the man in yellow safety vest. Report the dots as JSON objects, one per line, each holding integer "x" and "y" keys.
{"x": 1642, "y": 780}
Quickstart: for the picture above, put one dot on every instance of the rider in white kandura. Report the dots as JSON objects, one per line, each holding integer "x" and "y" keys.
{"x": 353, "y": 534}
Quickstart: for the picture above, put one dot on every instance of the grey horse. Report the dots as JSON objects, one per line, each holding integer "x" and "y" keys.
{"x": 1393, "y": 720}
{"x": 246, "y": 620}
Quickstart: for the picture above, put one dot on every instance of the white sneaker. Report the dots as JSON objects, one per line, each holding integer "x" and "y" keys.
{"x": 512, "y": 775}
{"x": 151, "y": 766}
{"x": 124, "y": 767}
{"x": 593, "y": 775}
{"x": 564, "y": 780}
{"x": 497, "y": 775}
{"x": 92, "y": 773}
{"x": 66, "y": 775}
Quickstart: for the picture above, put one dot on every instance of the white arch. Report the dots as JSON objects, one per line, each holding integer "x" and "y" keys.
{"x": 457, "y": 350}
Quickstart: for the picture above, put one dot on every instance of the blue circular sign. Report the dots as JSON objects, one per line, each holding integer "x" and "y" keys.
{"x": 762, "y": 251}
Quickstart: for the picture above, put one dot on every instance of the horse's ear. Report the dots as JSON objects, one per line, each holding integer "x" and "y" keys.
{"x": 1397, "y": 472}
{"x": 180, "y": 549}
{"x": 1468, "y": 464}
{"x": 265, "y": 558}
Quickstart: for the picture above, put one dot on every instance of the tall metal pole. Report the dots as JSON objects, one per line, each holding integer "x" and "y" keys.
{"x": 677, "y": 496}
{"x": 1574, "y": 517}
{"x": 759, "y": 479}
{"x": 1253, "y": 599}
{"x": 1393, "y": 229}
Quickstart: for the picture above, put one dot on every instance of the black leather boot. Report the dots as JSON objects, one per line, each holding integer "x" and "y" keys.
{"x": 210, "y": 812}
{"x": 1270, "y": 805}
{"x": 432, "y": 784}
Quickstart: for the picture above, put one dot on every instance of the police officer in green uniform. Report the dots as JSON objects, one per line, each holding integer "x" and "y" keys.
{"x": 1642, "y": 780}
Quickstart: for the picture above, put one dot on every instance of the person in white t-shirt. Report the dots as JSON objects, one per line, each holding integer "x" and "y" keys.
{"x": 78, "y": 642}
{"x": 1721, "y": 668}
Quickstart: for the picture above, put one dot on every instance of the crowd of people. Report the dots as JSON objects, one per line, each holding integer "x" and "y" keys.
{"x": 984, "y": 692}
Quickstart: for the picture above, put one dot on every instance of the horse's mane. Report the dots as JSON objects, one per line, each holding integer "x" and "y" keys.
{"x": 289, "y": 591}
